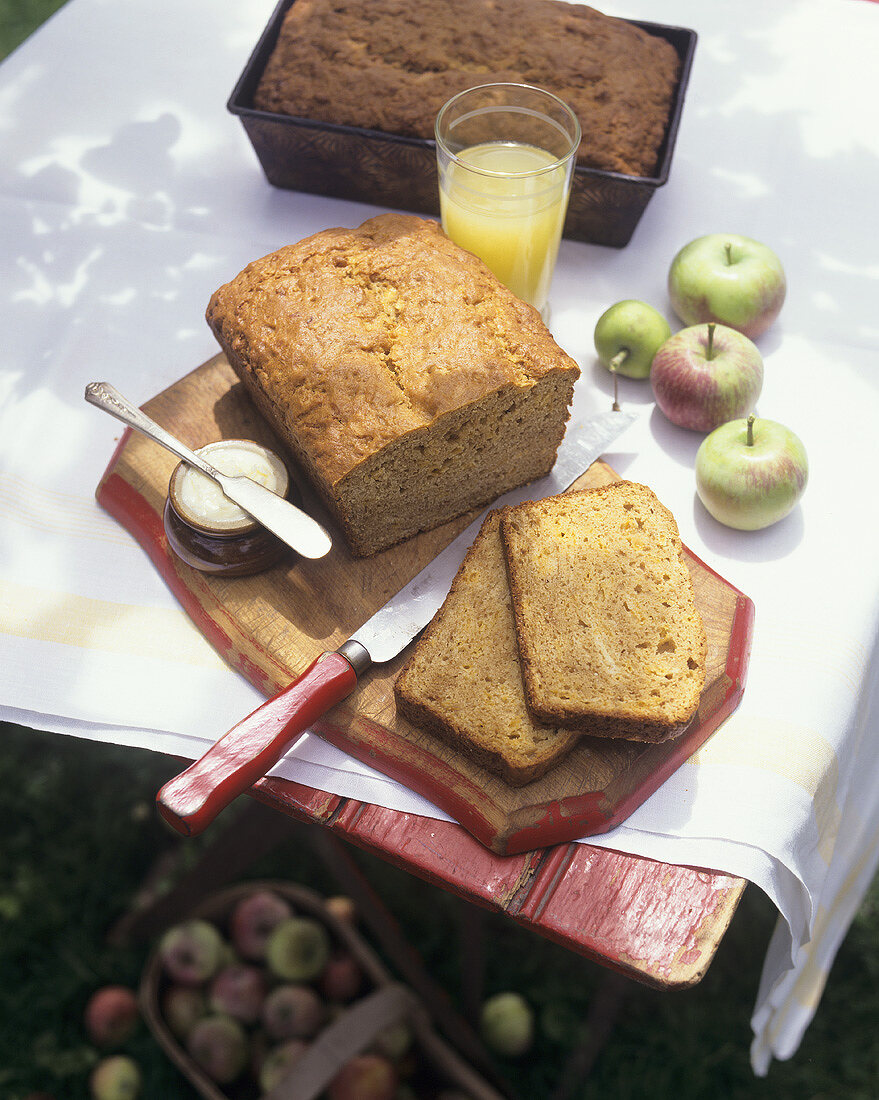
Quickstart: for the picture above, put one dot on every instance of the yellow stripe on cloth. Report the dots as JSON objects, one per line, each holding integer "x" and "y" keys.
{"x": 40, "y": 509}
{"x": 125, "y": 629}
{"x": 804, "y": 994}
{"x": 798, "y": 753}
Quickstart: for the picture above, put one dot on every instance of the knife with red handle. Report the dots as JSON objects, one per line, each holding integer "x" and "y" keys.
{"x": 191, "y": 800}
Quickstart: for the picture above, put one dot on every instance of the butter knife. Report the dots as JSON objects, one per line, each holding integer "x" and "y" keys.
{"x": 292, "y": 526}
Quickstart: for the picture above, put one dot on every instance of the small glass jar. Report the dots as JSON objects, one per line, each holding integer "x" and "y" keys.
{"x": 211, "y": 533}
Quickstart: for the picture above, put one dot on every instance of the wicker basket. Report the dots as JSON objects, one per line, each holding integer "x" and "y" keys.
{"x": 352, "y": 1031}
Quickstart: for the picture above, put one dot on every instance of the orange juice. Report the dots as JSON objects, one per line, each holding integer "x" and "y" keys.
{"x": 506, "y": 202}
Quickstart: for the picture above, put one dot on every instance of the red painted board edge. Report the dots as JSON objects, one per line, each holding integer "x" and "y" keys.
{"x": 582, "y": 898}
{"x": 444, "y": 853}
{"x": 566, "y": 820}
{"x": 449, "y": 798}
{"x": 120, "y": 500}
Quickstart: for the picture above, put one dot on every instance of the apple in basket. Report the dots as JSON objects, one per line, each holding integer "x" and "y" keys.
{"x": 394, "y": 1041}
{"x": 239, "y": 990}
{"x": 342, "y": 977}
{"x": 293, "y": 1011}
{"x": 366, "y": 1077}
{"x": 298, "y": 949}
{"x": 750, "y": 473}
{"x": 728, "y": 278}
{"x": 342, "y": 908}
{"x": 252, "y": 921}
{"x": 279, "y": 1061}
{"x": 219, "y": 1045}
{"x": 182, "y": 1007}
{"x": 705, "y": 375}
{"x": 191, "y": 952}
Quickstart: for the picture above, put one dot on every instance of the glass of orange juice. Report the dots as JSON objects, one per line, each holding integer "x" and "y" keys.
{"x": 505, "y": 159}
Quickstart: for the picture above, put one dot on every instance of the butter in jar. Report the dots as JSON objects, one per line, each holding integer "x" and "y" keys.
{"x": 210, "y": 532}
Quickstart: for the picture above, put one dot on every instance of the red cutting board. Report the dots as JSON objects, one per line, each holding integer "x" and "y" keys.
{"x": 271, "y": 626}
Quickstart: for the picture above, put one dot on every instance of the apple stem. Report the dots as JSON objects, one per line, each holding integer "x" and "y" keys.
{"x": 709, "y": 352}
{"x": 749, "y": 441}
{"x": 616, "y": 405}
{"x": 621, "y": 356}
{"x": 728, "y": 249}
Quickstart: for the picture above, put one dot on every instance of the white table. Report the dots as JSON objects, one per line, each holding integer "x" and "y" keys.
{"x": 128, "y": 194}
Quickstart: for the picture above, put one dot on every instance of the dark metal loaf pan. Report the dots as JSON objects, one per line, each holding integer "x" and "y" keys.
{"x": 348, "y": 162}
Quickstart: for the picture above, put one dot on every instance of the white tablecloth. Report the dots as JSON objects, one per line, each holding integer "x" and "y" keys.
{"x": 128, "y": 194}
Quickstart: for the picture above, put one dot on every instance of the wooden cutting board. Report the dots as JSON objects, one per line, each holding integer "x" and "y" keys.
{"x": 271, "y": 626}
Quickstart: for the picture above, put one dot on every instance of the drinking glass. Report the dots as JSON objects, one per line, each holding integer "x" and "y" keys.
{"x": 505, "y": 159}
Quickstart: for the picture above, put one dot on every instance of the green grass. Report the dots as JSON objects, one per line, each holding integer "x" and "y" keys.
{"x": 19, "y": 18}
{"x": 78, "y": 834}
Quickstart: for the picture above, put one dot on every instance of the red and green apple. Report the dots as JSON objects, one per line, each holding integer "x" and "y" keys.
{"x": 750, "y": 473}
{"x": 728, "y": 278}
{"x": 705, "y": 375}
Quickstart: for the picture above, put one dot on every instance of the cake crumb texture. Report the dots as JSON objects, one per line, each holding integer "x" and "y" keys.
{"x": 609, "y": 636}
{"x": 407, "y": 382}
{"x": 389, "y": 65}
{"x": 463, "y": 681}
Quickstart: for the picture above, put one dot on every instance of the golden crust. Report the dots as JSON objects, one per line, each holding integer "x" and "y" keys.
{"x": 358, "y": 344}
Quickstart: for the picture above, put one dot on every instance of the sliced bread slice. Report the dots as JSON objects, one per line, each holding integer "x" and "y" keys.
{"x": 463, "y": 680}
{"x": 609, "y": 636}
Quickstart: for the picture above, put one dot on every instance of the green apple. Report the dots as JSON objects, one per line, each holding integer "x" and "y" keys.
{"x": 182, "y": 1007}
{"x": 220, "y": 1046}
{"x": 627, "y": 336}
{"x": 750, "y": 473}
{"x": 728, "y": 278}
{"x": 191, "y": 952}
{"x": 506, "y": 1023}
{"x": 116, "y": 1078}
{"x": 394, "y": 1041}
{"x": 297, "y": 949}
{"x": 279, "y": 1061}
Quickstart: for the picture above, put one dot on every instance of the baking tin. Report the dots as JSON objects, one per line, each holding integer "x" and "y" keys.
{"x": 348, "y": 162}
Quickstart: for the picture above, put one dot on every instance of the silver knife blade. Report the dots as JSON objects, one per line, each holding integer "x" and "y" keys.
{"x": 407, "y": 612}
{"x": 292, "y": 526}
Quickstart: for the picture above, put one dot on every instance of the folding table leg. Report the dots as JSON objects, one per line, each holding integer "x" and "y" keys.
{"x": 471, "y": 935}
{"x": 601, "y": 1018}
{"x": 404, "y": 957}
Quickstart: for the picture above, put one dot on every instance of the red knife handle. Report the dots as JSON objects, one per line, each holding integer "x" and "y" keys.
{"x": 191, "y": 800}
